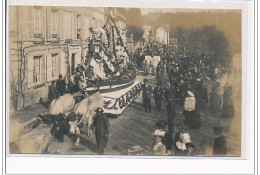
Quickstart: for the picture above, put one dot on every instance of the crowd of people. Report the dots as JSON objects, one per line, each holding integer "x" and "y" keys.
{"x": 194, "y": 82}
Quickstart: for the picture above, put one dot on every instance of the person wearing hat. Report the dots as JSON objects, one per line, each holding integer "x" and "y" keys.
{"x": 60, "y": 86}
{"x": 147, "y": 93}
{"x": 181, "y": 140}
{"x": 158, "y": 93}
{"x": 101, "y": 125}
{"x": 144, "y": 64}
{"x": 216, "y": 99}
{"x": 158, "y": 147}
{"x": 52, "y": 91}
{"x": 167, "y": 90}
{"x": 220, "y": 144}
{"x": 228, "y": 109}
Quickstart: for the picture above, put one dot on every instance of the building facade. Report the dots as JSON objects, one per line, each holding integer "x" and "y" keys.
{"x": 45, "y": 42}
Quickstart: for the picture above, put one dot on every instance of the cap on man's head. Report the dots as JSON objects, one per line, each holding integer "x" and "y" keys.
{"x": 60, "y": 76}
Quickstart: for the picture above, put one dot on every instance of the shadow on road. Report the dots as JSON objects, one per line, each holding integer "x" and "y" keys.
{"x": 88, "y": 144}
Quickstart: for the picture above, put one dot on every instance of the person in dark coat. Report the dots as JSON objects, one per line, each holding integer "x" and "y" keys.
{"x": 72, "y": 87}
{"x": 101, "y": 125}
{"x": 167, "y": 90}
{"x": 60, "y": 86}
{"x": 147, "y": 93}
{"x": 228, "y": 109}
{"x": 216, "y": 99}
{"x": 220, "y": 144}
{"x": 158, "y": 93}
{"x": 159, "y": 74}
{"x": 52, "y": 91}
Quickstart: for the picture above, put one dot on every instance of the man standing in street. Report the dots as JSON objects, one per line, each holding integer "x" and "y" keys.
{"x": 60, "y": 86}
{"x": 101, "y": 124}
{"x": 220, "y": 144}
{"x": 158, "y": 92}
{"x": 147, "y": 93}
{"x": 52, "y": 91}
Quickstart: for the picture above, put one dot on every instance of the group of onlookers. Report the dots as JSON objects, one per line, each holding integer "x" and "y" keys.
{"x": 194, "y": 82}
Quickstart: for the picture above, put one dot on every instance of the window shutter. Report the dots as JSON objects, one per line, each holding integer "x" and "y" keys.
{"x": 62, "y": 64}
{"x": 58, "y": 65}
{"x": 48, "y": 24}
{"x": 49, "y": 67}
{"x": 74, "y": 26}
{"x": 43, "y": 68}
{"x": 62, "y": 25}
{"x": 30, "y": 23}
{"x": 83, "y": 27}
{"x": 42, "y": 21}
{"x": 30, "y": 67}
{"x": 57, "y": 16}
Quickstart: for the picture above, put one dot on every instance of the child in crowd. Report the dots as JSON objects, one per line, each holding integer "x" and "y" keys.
{"x": 220, "y": 144}
{"x": 158, "y": 147}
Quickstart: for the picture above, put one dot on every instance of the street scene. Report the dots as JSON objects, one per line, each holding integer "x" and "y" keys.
{"x": 124, "y": 81}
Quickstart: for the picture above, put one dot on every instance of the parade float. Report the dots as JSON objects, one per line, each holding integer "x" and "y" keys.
{"x": 108, "y": 69}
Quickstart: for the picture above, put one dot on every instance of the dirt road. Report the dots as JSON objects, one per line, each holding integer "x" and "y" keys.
{"x": 134, "y": 128}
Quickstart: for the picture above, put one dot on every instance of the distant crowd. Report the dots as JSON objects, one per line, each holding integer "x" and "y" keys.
{"x": 194, "y": 81}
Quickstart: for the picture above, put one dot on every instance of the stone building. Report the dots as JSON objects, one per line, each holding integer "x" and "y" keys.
{"x": 43, "y": 43}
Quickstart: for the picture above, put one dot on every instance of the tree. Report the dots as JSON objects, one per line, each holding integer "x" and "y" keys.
{"x": 134, "y": 17}
{"x": 180, "y": 34}
{"x": 136, "y": 31}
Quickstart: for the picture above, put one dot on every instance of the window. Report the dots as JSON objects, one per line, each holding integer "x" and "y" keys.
{"x": 55, "y": 21}
{"x": 37, "y": 69}
{"x": 52, "y": 66}
{"x": 38, "y": 20}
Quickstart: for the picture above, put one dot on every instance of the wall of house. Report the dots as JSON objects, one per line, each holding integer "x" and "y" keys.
{"x": 44, "y": 36}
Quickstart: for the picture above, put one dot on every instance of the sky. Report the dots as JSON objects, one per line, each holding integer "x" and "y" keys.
{"x": 145, "y": 11}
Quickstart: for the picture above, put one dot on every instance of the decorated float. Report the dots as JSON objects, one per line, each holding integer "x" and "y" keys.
{"x": 108, "y": 69}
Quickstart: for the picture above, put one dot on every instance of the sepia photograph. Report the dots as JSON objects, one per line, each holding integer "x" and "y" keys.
{"x": 124, "y": 81}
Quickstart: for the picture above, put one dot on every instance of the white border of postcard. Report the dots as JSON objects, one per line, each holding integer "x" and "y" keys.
{"x": 44, "y": 164}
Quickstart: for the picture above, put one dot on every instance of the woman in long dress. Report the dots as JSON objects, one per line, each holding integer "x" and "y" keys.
{"x": 228, "y": 110}
{"x": 216, "y": 100}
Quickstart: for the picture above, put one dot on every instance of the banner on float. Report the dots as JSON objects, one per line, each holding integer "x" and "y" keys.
{"x": 116, "y": 102}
